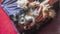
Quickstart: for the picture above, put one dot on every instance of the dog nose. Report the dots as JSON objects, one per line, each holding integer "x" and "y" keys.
{"x": 22, "y": 20}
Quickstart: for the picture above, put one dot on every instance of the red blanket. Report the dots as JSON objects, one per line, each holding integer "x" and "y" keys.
{"x": 6, "y": 26}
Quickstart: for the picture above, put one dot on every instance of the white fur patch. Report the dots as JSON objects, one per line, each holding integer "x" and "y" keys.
{"x": 22, "y": 3}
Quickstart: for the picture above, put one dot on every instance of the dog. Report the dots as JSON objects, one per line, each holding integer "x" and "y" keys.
{"x": 28, "y": 19}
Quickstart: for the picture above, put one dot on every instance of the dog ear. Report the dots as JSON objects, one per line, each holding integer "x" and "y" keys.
{"x": 52, "y": 13}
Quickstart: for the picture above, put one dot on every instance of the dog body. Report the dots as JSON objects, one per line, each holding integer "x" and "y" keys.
{"x": 28, "y": 19}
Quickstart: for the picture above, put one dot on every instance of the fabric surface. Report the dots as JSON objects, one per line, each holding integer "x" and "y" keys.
{"x": 10, "y": 7}
{"x": 6, "y": 25}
